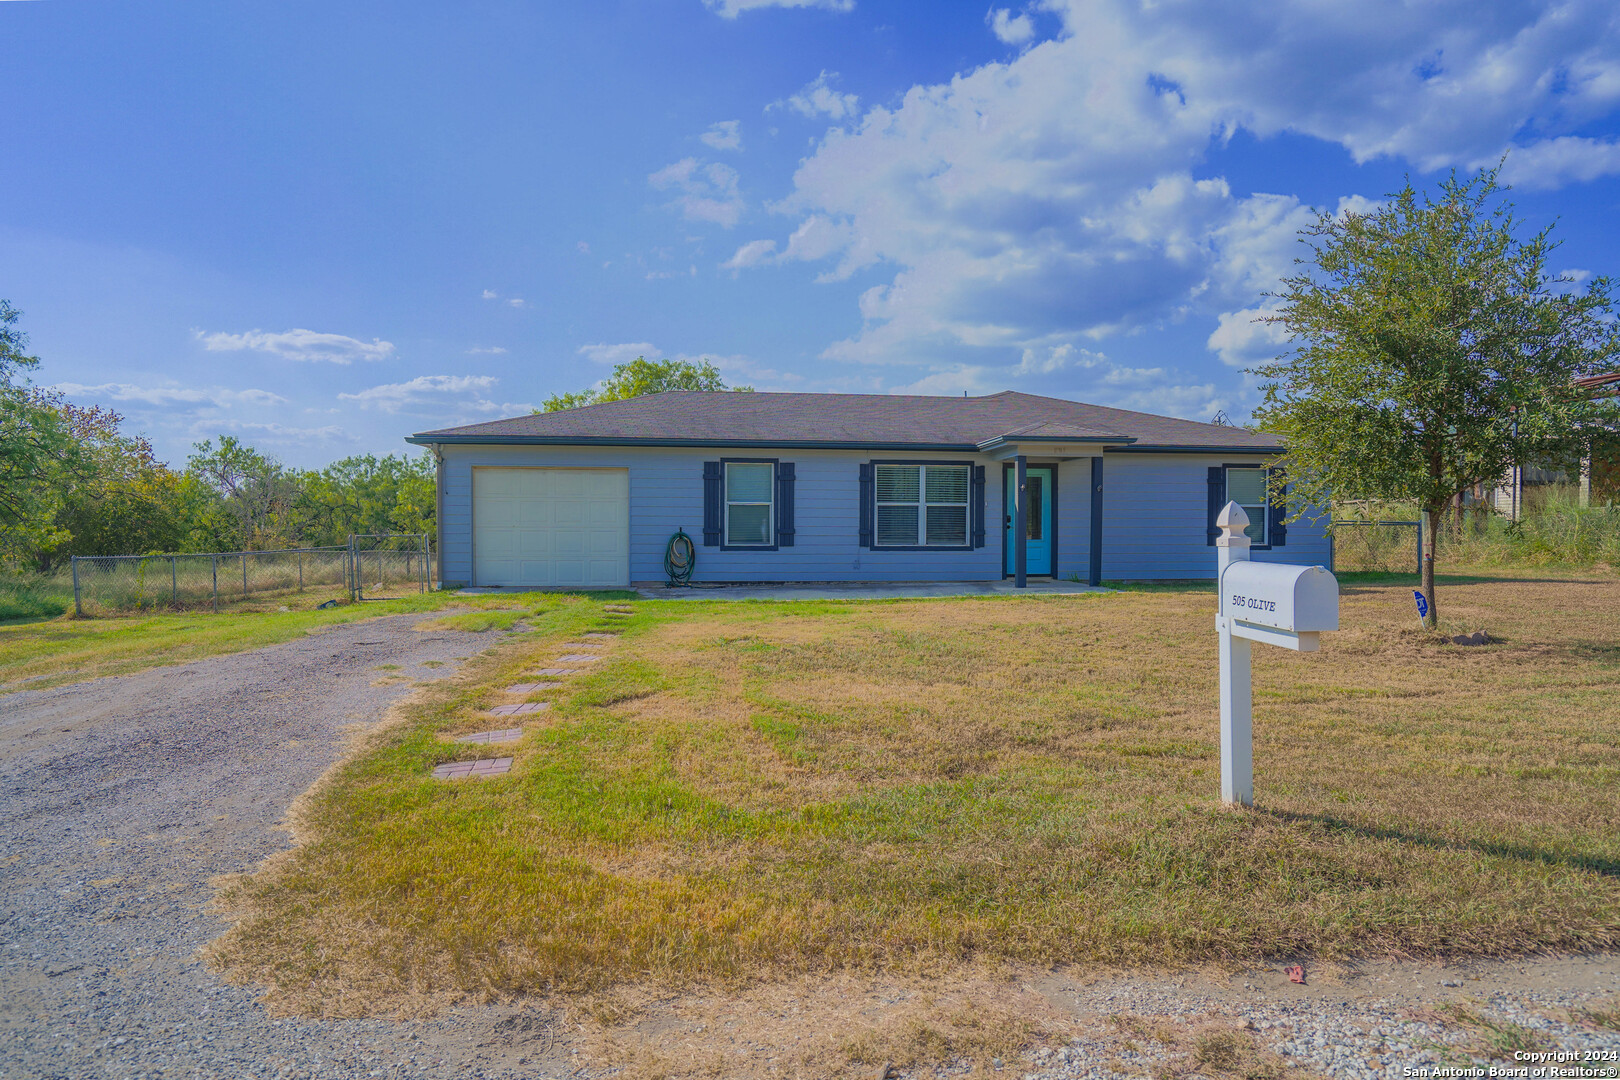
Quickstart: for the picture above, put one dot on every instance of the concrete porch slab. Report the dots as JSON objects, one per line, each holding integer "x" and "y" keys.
{"x": 864, "y": 590}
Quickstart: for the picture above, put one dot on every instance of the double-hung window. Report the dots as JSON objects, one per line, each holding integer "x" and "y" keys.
{"x": 922, "y": 505}
{"x": 750, "y": 488}
{"x": 1247, "y": 488}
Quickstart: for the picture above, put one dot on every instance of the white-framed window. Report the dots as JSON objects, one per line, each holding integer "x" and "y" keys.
{"x": 750, "y": 501}
{"x": 921, "y": 505}
{"x": 1247, "y": 488}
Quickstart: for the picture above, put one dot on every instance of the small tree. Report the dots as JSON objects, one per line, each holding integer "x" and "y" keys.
{"x": 642, "y": 376}
{"x": 1432, "y": 351}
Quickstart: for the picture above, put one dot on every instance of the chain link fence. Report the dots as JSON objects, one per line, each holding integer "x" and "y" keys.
{"x": 366, "y": 568}
{"x": 1389, "y": 547}
{"x": 390, "y": 565}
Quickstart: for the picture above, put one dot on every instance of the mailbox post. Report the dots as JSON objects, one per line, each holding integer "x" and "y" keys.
{"x": 1275, "y": 603}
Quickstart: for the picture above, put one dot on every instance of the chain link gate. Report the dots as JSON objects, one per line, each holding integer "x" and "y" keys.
{"x": 385, "y": 566}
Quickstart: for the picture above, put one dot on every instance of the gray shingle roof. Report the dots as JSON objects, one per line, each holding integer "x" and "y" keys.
{"x": 686, "y": 417}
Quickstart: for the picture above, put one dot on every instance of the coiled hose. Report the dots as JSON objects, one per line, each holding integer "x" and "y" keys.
{"x": 680, "y": 558}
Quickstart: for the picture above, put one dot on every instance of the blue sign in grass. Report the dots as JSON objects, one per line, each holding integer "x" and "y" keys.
{"x": 1422, "y": 603}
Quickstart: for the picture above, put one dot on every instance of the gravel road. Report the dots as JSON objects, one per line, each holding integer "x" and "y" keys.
{"x": 124, "y": 796}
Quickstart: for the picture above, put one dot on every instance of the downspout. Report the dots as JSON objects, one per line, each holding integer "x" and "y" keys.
{"x": 438, "y": 509}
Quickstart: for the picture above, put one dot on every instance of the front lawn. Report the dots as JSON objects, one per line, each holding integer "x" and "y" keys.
{"x": 753, "y": 788}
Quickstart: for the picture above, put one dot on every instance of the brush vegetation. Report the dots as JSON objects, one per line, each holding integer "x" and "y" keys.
{"x": 745, "y": 789}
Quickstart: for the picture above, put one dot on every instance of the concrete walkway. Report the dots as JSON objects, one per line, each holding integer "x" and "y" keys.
{"x": 863, "y": 590}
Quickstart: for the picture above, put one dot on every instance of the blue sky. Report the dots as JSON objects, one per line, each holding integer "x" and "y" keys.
{"x": 323, "y": 226}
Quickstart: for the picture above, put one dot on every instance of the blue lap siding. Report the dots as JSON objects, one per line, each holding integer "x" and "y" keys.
{"x": 1153, "y": 521}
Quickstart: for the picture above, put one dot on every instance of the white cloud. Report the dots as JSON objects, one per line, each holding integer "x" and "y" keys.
{"x": 1060, "y": 196}
{"x": 706, "y": 191}
{"x": 307, "y": 345}
{"x": 730, "y": 9}
{"x": 491, "y": 294}
{"x": 1576, "y": 275}
{"x": 1010, "y": 29}
{"x": 583, "y": 248}
{"x": 463, "y": 393}
{"x": 517, "y": 302}
{"x": 275, "y": 433}
{"x": 723, "y": 135}
{"x": 1243, "y": 339}
{"x": 1553, "y": 163}
{"x": 169, "y": 395}
{"x": 753, "y": 253}
{"x": 487, "y": 350}
{"x": 819, "y": 98}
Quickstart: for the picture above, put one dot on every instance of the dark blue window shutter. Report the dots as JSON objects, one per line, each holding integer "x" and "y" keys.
{"x": 978, "y": 506}
{"x": 711, "y": 504}
{"x": 1277, "y": 516}
{"x": 1217, "y": 499}
{"x": 784, "y": 504}
{"x": 867, "y": 506}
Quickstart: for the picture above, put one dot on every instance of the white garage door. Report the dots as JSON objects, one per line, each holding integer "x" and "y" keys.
{"x": 559, "y": 527}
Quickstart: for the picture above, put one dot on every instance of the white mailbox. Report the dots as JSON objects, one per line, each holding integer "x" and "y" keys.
{"x": 1277, "y": 603}
{"x": 1280, "y": 604}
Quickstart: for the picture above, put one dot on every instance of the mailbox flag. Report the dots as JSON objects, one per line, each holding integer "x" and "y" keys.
{"x": 1422, "y": 603}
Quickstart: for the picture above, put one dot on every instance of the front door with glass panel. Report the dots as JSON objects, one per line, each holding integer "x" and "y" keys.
{"x": 1038, "y": 482}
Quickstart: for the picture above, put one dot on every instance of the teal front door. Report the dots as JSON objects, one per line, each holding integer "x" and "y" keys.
{"x": 1038, "y": 533}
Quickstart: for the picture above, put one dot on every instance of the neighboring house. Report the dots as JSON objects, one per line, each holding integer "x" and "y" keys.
{"x": 1599, "y": 470}
{"x": 848, "y": 487}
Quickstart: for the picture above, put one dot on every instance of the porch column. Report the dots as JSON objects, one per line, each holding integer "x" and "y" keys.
{"x": 1094, "y": 574}
{"x": 1020, "y": 520}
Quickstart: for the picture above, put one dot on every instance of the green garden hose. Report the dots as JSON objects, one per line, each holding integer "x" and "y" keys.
{"x": 680, "y": 557}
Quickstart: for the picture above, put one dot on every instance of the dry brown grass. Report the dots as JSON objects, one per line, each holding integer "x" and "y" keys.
{"x": 918, "y": 788}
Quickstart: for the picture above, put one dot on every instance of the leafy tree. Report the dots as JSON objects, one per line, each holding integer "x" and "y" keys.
{"x": 35, "y": 446}
{"x": 367, "y": 494}
{"x": 115, "y": 497}
{"x": 1432, "y": 351}
{"x": 256, "y": 490}
{"x": 641, "y": 376}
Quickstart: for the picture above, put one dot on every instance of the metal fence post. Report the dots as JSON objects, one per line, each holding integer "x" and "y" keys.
{"x": 215, "y": 560}
{"x": 78, "y": 609}
{"x": 424, "y": 563}
{"x": 174, "y": 582}
{"x": 244, "y": 575}
{"x": 300, "y": 571}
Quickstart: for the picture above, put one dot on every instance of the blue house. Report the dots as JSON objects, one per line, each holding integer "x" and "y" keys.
{"x": 849, "y": 487}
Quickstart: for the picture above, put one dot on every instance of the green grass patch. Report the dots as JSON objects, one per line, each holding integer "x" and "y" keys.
{"x": 30, "y": 596}
{"x": 48, "y": 652}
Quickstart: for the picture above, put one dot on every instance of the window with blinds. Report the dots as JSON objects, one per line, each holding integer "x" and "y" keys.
{"x": 921, "y": 505}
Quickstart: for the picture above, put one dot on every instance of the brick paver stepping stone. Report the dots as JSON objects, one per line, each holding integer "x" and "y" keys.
{"x": 578, "y": 658}
{"x": 509, "y": 735}
{"x": 518, "y": 710}
{"x": 528, "y": 687}
{"x": 558, "y": 671}
{"x": 462, "y": 770}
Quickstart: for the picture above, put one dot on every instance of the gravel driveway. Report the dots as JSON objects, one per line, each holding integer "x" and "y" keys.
{"x": 124, "y": 796}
